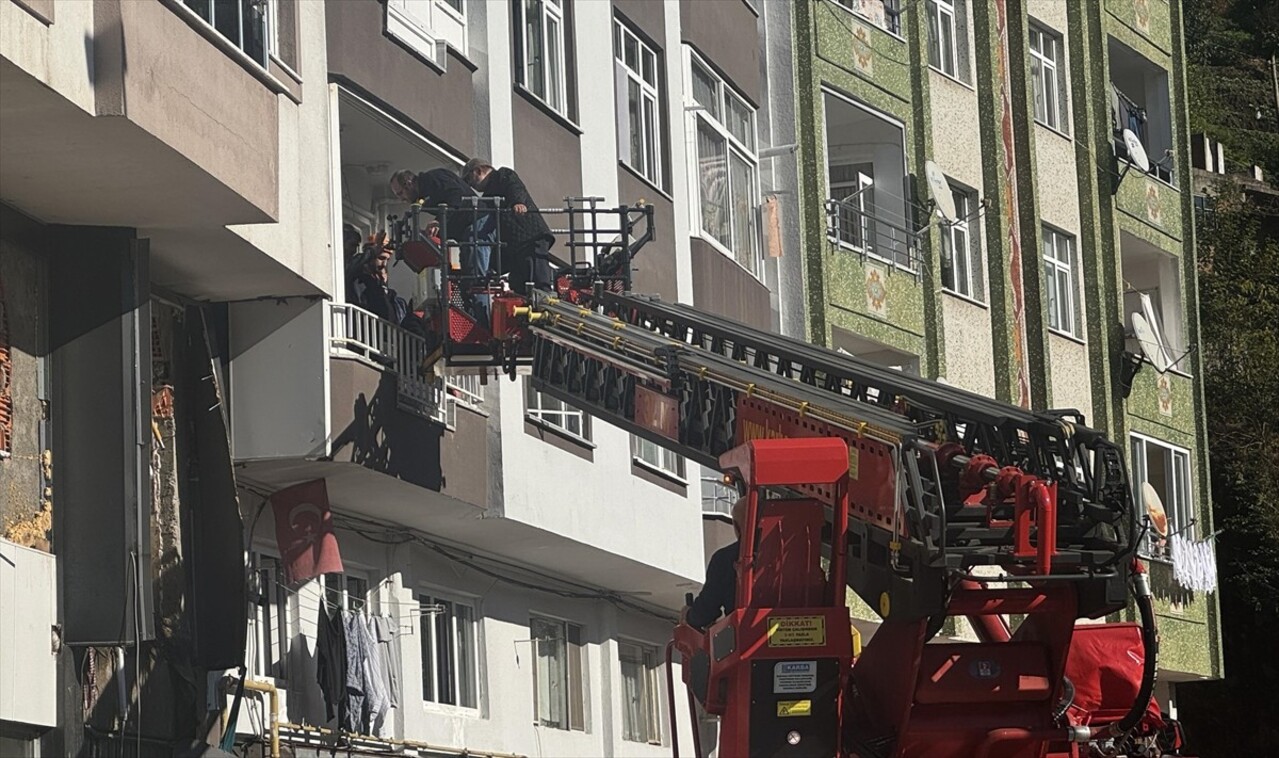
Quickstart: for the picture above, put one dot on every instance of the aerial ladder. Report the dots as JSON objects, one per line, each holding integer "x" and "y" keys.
{"x": 926, "y": 501}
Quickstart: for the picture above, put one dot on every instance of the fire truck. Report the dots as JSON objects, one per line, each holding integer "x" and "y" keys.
{"x": 926, "y": 501}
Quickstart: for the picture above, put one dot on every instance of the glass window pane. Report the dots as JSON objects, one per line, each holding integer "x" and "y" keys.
{"x": 739, "y": 121}
{"x": 651, "y": 169}
{"x": 934, "y": 36}
{"x": 712, "y": 164}
{"x": 961, "y": 261}
{"x": 1050, "y": 96}
{"x": 634, "y": 108}
{"x": 630, "y": 50}
{"x": 426, "y": 630}
{"x": 650, "y": 67}
{"x": 704, "y": 85}
{"x": 742, "y": 180}
{"x": 445, "y": 675}
{"x": 948, "y": 43}
{"x": 553, "y": 70}
{"x": 534, "y": 49}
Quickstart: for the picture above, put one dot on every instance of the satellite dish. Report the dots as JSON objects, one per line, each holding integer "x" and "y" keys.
{"x": 1150, "y": 343}
{"x": 1155, "y": 509}
{"x": 939, "y": 189}
{"x": 1136, "y": 151}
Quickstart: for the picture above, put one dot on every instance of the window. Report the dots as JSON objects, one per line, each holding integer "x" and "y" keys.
{"x": 1059, "y": 282}
{"x": 1152, "y": 287}
{"x": 961, "y": 260}
{"x": 346, "y": 592}
{"x": 243, "y": 22}
{"x": 717, "y": 497}
{"x": 655, "y": 456}
{"x": 450, "y": 669}
{"x": 559, "y": 675}
{"x": 723, "y": 127}
{"x": 639, "y": 126}
{"x": 1167, "y": 470}
{"x": 1047, "y": 73}
{"x": 948, "y": 37}
{"x": 421, "y": 23}
{"x": 270, "y": 620}
{"x": 541, "y": 66}
{"x": 641, "y": 718}
{"x": 866, "y": 181}
{"x": 1140, "y": 102}
{"x": 552, "y": 411}
{"x": 886, "y": 14}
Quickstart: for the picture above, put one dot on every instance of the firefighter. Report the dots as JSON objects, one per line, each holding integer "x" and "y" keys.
{"x": 719, "y": 593}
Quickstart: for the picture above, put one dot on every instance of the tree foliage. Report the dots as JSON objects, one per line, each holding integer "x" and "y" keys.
{"x": 1229, "y": 44}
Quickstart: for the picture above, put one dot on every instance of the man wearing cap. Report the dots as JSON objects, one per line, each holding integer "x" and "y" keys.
{"x": 527, "y": 238}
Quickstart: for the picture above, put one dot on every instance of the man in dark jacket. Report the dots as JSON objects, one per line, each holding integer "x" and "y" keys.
{"x": 719, "y": 593}
{"x": 527, "y": 238}
{"x": 442, "y": 187}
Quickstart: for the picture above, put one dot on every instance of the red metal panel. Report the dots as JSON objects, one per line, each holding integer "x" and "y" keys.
{"x": 983, "y": 673}
{"x": 872, "y": 472}
{"x": 657, "y": 412}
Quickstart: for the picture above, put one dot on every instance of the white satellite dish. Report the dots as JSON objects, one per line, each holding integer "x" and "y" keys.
{"x": 1136, "y": 151}
{"x": 939, "y": 189}
{"x": 1150, "y": 343}
{"x": 1155, "y": 509}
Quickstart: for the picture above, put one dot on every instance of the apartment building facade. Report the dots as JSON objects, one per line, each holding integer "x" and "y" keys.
{"x": 176, "y": 178}
{"x": 1028, "y": 293}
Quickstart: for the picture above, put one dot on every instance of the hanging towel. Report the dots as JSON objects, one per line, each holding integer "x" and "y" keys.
{"x": 379, "y": 700}
{"x": 387, "y": 632}
{"x": 356, "y": 652}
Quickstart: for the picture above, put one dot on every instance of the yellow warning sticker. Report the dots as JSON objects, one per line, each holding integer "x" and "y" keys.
{"x": 796, "y": 631}
{"x": 854, "y": 461}
{"x": 794, "y": 708}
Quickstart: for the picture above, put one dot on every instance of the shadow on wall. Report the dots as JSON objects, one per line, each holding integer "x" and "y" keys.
{"x": 389, "y": 440}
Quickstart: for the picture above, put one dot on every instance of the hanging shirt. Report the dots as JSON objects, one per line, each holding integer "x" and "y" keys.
{"x": 330, "y": 661}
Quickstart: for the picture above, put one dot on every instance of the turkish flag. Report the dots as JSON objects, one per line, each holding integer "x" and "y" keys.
{"x": 304, "y": 531}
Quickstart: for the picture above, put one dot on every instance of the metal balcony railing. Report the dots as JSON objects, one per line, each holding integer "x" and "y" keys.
{"x": 359, "y": 334}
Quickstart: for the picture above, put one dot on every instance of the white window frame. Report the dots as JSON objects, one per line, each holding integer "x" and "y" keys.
{"x": 343, "y": 597}
{"x": 549, "y": 411}
{"x": 650, "y": 98}
{"x": 646, "y": 657}
{"x": 747, "y": 253}
{"x": 553, "y": 84}
{"x": 238, "y": 41}
{"x": 424, "y": 25}
{"x": 859, "y": 235}
{"x": 941, "y": 17}
{"x": 966, "y": 228}
{"x": 885, "y": 14}
{"x": 1179, "y": 485}
{"x": 568, "y": 702}
{"x": 1055, "y": 269}
{"x": 465, "y": 671}
{"x": 270, "y": 633}
{"x": 1050, "y": 66}
{"x": 660, "y": 459}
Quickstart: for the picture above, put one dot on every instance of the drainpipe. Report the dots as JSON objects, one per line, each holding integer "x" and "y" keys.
{"x": 269, "y": 689}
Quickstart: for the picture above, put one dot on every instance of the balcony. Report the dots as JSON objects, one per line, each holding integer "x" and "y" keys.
{"x": 359, "y": 335}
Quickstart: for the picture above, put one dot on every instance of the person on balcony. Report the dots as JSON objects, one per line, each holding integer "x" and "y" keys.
{"x": 476, "y": 229}
{"x": 370, "y": 288}
{"x": 719, "y": 594}
{"x": 526, "y": 257}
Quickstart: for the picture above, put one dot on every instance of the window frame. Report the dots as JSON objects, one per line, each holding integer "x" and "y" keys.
{"x": 968, "y": 223}
{"x": 341, "y": 598}
{"x": 650, "y": 94}
{"x": 652, "y": 732}
{"x": 698, "y": 114}
{"x": 1182, "y": 516}
{"x": 556, "y": 99}
{"x": 937, "y": 11}
{"x": 1053, "y": 267}
{"x": 575, "y": 702}
{"x": 534, "y": 412}
{"x": 892, "y": 15}
{"x": 428, "y": 628}
{"x": 1058, "y": 107}
{"x": 274, "y": 630}
{"x": 667, "y": 463}
{"x": 268, "y": 11}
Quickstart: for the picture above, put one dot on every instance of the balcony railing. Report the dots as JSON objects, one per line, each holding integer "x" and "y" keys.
{"x": 359, "y": 334}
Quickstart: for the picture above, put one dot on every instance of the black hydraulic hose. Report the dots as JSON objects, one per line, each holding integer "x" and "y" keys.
{"x": 1150, "y": 641}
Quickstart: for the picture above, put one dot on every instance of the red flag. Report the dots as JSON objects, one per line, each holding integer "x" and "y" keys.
{"x": 304, "y": 531}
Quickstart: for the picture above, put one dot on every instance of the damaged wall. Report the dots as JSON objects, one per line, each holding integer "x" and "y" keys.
{"x": 25, "y": 470}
